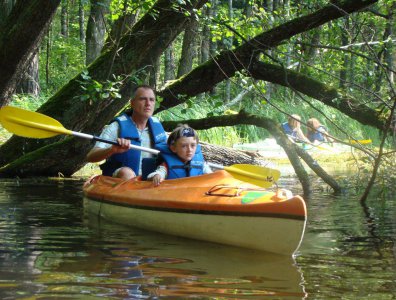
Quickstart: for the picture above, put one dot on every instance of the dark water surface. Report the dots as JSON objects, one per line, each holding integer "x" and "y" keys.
{"x": 50, "y": 250}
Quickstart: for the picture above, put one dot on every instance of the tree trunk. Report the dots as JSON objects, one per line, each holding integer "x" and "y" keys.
{"x": 81, "y": 20}
{"x": 309, "y": 52}
{"x": 345, "y": 60}
{"x": 231, "y": 40}
{"x": 17, "y": 47}
{"x": 30, "y": 83}
{"x": 147, "y": 40}
{"x": 188, "y": 48}
{"x": 317, "y": 90}
{"x": 64, "y": 30}
{"x": 154, "y": 70}
{"x": 122, "y": 26}
{"x": 65, "y": 18}
{"x": 206, "y": 35}
{"x": 169, "y": 64}
{"x": 389, "y": 49}
{"x": 96, "y": 29}
{"x": 5, "y": 9}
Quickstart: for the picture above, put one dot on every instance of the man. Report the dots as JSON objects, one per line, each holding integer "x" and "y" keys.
{"x": 138, "y": 128}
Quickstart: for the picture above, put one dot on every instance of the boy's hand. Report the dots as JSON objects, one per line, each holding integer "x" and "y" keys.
{"x": 157, "y": 180}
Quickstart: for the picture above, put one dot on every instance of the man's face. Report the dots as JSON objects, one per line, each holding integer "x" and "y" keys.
{"x": 144, "y": 103}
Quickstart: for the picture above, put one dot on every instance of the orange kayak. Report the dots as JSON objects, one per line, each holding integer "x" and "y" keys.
{"x": 214, "y": 207}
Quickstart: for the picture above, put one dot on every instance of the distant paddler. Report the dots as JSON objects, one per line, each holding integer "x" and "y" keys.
{"x": 292, "y": 128}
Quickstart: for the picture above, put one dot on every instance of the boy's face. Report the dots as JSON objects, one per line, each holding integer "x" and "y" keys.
{"x": 185, "y": 148}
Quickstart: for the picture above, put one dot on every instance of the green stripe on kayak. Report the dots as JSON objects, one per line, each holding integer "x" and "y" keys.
{"x": 251, "y": 196}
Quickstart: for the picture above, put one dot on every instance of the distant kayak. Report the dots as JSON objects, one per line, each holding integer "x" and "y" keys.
{"x": 269, "y": 148}
{"x": 214, "y": 207}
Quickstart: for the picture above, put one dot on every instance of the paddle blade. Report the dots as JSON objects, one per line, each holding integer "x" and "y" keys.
{"x": 257, "y": 175}
{"x": 30, "y": 124}
{"x": 363, "y": 142}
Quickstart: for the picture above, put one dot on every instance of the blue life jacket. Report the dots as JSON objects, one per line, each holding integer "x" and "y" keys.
{"x": 317, "y": 135}
{"x": 178, "y": 169}
{"x": 131, "y": 158}
{"x": 289, "y": 131}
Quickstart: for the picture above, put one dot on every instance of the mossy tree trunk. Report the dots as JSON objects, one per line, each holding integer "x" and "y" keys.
{"x": 139, "y": 48}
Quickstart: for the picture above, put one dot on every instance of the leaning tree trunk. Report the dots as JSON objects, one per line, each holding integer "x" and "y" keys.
{"x": 18, "y": 44}
{"x": 147, "y": 40}
{"x": 228, "y": 63}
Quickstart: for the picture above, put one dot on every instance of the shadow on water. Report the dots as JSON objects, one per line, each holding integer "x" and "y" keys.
{"x": 49, "y": 249}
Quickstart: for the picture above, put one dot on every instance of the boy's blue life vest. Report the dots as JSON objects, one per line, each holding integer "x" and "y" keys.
{"x": 131, "y": 158}
{"x": 289, "y": 131}
{"x": 317, "y": 135}
{"x": 178, "y": 169}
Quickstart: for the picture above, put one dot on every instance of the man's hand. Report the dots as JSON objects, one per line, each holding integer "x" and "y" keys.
{"x": 123, "y": 145}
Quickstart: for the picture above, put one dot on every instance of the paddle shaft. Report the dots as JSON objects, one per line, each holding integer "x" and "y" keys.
{"x": 97, "y": 138}
{"x": 135, "y": 147}
{"x": 35, "y": 125}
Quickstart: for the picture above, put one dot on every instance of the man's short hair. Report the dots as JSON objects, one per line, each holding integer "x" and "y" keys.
{"x": 143, "y": 86}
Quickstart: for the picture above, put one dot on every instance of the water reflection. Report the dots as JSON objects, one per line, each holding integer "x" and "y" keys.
{"x": 171, "y": 266}
{"x": 49, "y": 249}
{"x": 351, "y": 246}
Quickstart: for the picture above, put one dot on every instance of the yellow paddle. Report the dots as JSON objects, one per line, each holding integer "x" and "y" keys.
{"x": 257, "y": 175}
{"x": 35, "y": 125}
{"x": 363, "y": 142}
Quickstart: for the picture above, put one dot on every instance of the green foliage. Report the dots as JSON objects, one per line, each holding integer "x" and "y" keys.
{"x": 27, "y": 102}
{"x": 193, "y": 109}
{"x": 94, "y": 90}
{"x": 61, "y": 58}
{"x": 118, "y": 9}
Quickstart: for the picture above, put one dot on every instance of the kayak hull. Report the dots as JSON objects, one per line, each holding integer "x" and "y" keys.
{"x": 213, "y": 207}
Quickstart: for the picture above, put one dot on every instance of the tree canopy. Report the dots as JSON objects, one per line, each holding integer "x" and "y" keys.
{"x": 265, "y": 59}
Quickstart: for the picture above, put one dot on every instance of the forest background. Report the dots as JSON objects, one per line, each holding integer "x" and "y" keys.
{"x": 235, "y": 69}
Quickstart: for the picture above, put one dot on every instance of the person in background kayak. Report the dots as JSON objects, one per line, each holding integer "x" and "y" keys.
{"x": 316, "y": 132}
{"x": 292, "y": 128}
{"x": 136, "y": 127}
{"x": 180, "y": 157}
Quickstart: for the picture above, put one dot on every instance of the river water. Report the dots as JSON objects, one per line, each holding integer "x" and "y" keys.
{"x": 50, "y": 250}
